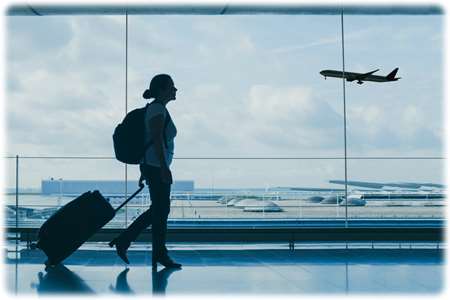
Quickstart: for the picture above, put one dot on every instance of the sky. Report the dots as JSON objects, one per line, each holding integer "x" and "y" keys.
{"x": 248, "y": 86}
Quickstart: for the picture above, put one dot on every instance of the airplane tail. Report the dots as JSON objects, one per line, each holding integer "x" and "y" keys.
{"x": 391, "y": 76}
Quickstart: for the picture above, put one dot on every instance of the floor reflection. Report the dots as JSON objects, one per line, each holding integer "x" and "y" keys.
{"x": 160, "y": 280}
{"x": 60, "y": 279}
{"x": 345, "y": 271}
{"x": 122, "y": 286}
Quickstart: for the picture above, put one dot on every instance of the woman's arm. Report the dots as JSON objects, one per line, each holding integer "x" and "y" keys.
{"x": 157, "y": 134}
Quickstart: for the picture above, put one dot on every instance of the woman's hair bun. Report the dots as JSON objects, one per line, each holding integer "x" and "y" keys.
{"x": 147, "y": 94}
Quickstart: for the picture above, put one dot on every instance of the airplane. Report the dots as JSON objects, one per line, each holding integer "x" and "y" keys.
{"x": 360, "y": 77}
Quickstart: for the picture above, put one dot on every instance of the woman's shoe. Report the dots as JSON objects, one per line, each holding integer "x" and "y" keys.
{"x": 166, "y": 261}
{"x": 121, "y": 249}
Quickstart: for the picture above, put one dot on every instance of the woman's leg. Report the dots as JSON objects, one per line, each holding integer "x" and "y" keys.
{"x": 160, "y": 195}
{"x": 131, "y": 233}
{"x": 143, "y": 221}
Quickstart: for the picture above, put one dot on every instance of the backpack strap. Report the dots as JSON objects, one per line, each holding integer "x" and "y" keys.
{"x": 166, "y": 123}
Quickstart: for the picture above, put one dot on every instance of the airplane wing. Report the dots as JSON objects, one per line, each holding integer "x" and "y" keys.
{"x": 359, "y": 76}
{"x": 405, "y": 186}
{"x": 364, "y": 184}
{"x": 365, "y": 75}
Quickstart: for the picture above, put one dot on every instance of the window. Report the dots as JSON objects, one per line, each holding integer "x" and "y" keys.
{"x": 256, "y": 119}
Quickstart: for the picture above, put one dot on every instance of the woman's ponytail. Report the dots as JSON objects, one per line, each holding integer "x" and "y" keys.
{"x": 147, "y": 94}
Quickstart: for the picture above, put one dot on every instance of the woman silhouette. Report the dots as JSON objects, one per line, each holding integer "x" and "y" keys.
{"x": 159, "y": 129}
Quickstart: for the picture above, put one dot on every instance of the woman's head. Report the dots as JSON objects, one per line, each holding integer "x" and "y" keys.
{"x": 161, "y": 88}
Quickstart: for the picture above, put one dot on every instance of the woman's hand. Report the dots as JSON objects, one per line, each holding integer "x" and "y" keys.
{"x": 141, "y": 180}
{"x": 166, "y": 175}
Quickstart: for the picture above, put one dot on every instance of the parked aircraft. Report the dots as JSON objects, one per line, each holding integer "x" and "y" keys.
{"x": 361, "y": 77}
{"x": 412, "y": 186}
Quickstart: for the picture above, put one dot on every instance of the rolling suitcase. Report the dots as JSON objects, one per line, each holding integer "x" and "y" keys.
{"x": 74, "y": 223}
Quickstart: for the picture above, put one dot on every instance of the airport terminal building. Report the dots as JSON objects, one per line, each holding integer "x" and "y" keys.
{"x": 107, "y": 187}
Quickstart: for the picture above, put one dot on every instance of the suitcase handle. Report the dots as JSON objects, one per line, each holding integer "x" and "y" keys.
{"x": 129, "y": 198}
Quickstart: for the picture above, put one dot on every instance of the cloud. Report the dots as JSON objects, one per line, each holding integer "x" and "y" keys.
{"x": 320, "y": 42}
{"x": 293, "y": 116}
{"x": 32, "y": 36}
{"x": 66, "y": 93}
{"x": 392, "y": 128}
{"x": 324, "y": 41}
{"x": 13, "y": 84}
{"x": 206, "y": 119}
{"x": 266, "y": 120}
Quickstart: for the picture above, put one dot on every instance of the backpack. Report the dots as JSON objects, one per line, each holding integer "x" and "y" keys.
{"x": 129, "y": 137}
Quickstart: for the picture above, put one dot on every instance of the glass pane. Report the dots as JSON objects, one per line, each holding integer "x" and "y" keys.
{"x": 247, "y": 85}
{"x": 47, "y": 184}
{"x": 401, "y": 118}
{"x": 9, "y": 191}
{"x": 408, "y": 189}
{"x": 269, "y": 188}
{"x": 65, "y": 84}
{"x": 10, "y": 175}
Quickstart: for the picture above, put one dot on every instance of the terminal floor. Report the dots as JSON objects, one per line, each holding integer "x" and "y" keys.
{"x": 233, "y": 271}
